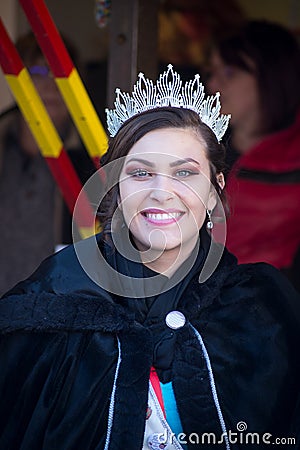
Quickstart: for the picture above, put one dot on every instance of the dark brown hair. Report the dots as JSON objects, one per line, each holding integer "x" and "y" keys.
{"x": 138, "y": 126}
{"x": 272, "y": 54}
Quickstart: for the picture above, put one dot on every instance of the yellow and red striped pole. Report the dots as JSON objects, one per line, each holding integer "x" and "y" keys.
{"x": 67, "y": 78}
{"x": 44, "y": 132}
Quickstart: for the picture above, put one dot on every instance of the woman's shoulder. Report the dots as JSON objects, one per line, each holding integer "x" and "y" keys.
{"x": 61, "y": 272}
{"x": 60, "y": 295}
{"x": 261, "y": 289}
{"x": 239, "y": 287}
{"x": 264, "y": 279}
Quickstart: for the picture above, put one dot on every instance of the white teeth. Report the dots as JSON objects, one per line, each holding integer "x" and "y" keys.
{"x": 163, "y": 216}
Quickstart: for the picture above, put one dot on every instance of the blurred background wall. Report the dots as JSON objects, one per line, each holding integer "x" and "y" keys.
{"x": 178, "y": 28}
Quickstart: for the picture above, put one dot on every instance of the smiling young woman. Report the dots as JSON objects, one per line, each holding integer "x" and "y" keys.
{"x": 164, "y": 193}
{"x": 125, "y": 338}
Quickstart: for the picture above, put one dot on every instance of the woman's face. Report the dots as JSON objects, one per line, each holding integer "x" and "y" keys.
{"x": 238, "y": 88}
{"x": 165, "y": 189}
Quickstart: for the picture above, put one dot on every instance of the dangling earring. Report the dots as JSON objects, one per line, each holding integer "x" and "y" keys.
{"x": 209, "y": 224}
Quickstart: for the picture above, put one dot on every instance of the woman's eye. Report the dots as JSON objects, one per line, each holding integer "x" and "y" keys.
{"x": 140, "y": 173}
{"x": 183, "y": 173}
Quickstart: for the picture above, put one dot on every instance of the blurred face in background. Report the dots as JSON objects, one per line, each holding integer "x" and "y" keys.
{"x": 49, "y": 93}
{"x": 238, "y": 88}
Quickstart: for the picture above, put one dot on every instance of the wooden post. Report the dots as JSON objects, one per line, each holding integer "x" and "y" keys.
{"x": 133, "y": 43}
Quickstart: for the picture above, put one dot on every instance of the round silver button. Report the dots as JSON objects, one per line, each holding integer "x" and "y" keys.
{"x": 175, "y": 320}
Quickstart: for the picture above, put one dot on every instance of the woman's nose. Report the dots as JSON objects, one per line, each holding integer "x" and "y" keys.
{"x": 162, "y": 189}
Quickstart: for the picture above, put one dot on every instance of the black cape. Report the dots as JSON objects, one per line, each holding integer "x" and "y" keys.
{"x": 62, "y": 334}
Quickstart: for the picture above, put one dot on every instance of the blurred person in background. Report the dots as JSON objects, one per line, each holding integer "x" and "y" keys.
{"x": 257, "y": 71}
{"x": 33, "y": 215}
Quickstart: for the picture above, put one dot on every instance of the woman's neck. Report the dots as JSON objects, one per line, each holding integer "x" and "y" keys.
{"x": 243, "y": 141}
{"x": 168, "y": 261}
{"x": 246, "y": 133}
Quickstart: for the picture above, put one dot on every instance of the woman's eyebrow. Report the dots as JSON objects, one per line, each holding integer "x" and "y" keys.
{"x": 140, "y": 160}
{"x": 176, "y": 163}
{"x": 179, "y": 162}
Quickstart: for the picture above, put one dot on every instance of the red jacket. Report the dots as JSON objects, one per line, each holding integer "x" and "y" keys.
{"x": 264, "y": 196}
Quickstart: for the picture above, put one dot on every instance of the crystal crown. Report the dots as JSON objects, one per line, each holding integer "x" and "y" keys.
{"x": 168, "y": 91}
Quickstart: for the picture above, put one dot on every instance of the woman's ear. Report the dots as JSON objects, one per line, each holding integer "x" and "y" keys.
{"x": 221, "y": 180}
{"x": 212, "y": 199}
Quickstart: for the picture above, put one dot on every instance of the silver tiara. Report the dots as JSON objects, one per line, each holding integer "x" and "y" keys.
{"x": 168, "y": 91}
